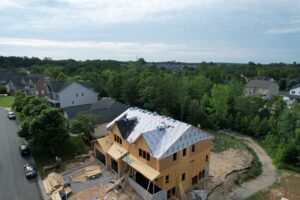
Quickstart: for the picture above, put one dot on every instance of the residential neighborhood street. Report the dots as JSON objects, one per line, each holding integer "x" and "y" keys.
{"x": 13, "y": 184}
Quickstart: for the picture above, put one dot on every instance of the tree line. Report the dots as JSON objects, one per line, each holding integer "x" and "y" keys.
{"x": 210, "y": 95}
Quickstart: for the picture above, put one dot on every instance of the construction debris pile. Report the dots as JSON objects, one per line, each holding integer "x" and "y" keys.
{"x": 86, "y": 173}
{"x": 53, "y": 182}
{"x": 55, "y": 186}
{"x": 224, "y": 163}
{"x": 106, "y": 192}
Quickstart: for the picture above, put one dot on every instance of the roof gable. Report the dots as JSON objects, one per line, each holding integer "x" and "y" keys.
{"x": 58, "y": 86}
{"x": 160, "y": 133}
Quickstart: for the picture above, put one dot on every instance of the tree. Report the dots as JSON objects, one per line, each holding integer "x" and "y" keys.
{"x": 24, "y": 131}
{"x": 48, "y": 131}
{"x": 35, "y": 106}
{"x": 196, "y": 115}
{"x": 85, "y": 124}
{"x": 21, "y": 99}
{"x": 219, "y": 104}
{"x": 198, "y": 86}
{"x": 2, "y": 90}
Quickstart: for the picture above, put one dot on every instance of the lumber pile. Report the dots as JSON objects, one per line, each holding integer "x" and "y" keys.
{"x": 56, "y": 196}
{"x": 86, "y": 173}
{"x": 53, "y": 182}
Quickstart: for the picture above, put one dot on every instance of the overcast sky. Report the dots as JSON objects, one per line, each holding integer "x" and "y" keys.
{"x": 158, "y": 30}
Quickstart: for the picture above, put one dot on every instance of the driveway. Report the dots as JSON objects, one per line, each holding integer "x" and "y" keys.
{"x": 266, "y": 179}
{"x": 13, "y": 184}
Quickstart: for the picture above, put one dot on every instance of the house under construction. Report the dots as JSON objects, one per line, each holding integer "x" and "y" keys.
{"x": 161, "y": 157}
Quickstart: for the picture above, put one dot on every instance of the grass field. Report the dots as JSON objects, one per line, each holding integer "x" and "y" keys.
{"x": 6, "y": 101}
{"x": 224, "y": 142}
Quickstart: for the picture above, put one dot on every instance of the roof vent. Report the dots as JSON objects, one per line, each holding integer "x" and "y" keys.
{"x": 161, "y": 127}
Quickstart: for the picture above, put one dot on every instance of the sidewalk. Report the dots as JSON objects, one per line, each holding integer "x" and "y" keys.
{"x": 42, "y": 189}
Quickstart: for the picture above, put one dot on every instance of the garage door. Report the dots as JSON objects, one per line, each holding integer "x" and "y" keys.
{"x": 100, "y": 157}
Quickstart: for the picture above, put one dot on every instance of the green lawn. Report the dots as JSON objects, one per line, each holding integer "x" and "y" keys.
{"x": 6, "y": 101}
{"x": 224, "y": 142}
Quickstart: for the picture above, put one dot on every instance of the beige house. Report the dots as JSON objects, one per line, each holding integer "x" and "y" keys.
{"x": 159, "y": 156}
{"x": 262, "y": 86}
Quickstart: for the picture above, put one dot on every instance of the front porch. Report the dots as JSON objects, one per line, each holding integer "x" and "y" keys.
{"x": 142, "y": 177}
{"x": 144, "y": 187}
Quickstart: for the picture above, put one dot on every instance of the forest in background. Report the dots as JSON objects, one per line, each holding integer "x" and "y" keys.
{"x": 210, "y": 95}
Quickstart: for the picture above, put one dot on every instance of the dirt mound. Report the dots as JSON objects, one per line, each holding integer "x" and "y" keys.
{"x": 224, "y": 163}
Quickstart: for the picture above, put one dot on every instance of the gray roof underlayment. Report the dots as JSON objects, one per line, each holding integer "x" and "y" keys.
{"x": 163, "y": 135}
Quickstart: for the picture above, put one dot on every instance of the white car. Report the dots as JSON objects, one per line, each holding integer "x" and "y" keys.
{"x": 11, "y": 115}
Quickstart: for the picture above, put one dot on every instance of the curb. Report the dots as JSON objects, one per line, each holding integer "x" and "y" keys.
{"x": 42, "y": 189}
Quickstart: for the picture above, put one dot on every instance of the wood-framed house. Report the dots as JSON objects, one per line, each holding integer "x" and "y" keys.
{"x": 161, "y": 157}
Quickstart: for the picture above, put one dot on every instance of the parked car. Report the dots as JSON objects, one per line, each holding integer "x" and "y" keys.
{"x": 24, "y": 150}
{"x": 11, "y": 115}
{"x": 29, "y": 171}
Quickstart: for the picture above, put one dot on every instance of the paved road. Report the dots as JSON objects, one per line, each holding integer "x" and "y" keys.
{"x": 266, "y": 179}
{"x": 13, "y": 184}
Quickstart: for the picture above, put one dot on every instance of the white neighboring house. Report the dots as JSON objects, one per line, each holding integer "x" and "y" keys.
{"x": 67, "y": 93}
{"x": 294, "y": 94}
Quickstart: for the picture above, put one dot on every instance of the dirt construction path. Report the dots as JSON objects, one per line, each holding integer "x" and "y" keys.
{"x": 266, "y": 179}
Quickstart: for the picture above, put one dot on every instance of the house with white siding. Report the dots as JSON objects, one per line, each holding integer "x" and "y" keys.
{"x": 293, "y": 95}
{"x": 68, "y": 93}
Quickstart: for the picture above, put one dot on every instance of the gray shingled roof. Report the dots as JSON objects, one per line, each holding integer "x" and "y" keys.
{"x": 105, "y": 110}
{"x": 35, "y": 77}
{"x": 296, "y": 86}
{"x": 73, "y": 110}
{"x": 265, "y": 84}
{"x": 18, "y": 83}
{"x": 5, "y": 77}
{"x": 58, "y": 86}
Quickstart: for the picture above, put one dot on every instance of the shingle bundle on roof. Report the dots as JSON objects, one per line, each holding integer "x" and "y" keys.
{"x": 163, "y": 135}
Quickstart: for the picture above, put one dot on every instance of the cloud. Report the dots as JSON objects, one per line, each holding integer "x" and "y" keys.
{"x": 281, "y": 31}
{"x": 120, "y": 50}
{"x": 108, "y": 46}
{"x": 100, "y": 11}
{"x": 9, "y": 3}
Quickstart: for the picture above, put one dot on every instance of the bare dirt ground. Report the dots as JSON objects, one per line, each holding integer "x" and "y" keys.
{"x": 224, "y": 168}
{"x": 287, "y": 186}
{"x": 224, "y": 163}
{"x": 98, "y": 192}
{"x": 265, "y": 180}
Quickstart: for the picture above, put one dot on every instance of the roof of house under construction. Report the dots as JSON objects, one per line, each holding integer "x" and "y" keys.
{"x": 163, "y": 135}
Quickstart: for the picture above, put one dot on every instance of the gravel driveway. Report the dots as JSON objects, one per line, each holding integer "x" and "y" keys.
{"x": 266, "y": 179}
